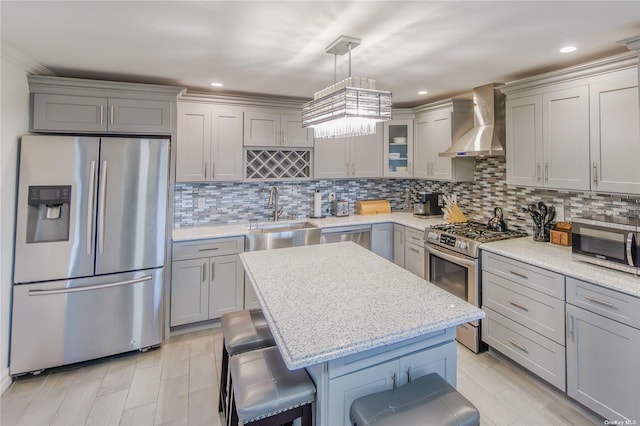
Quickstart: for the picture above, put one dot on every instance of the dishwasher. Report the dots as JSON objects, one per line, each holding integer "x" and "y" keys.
{"x": 360, "y": 234}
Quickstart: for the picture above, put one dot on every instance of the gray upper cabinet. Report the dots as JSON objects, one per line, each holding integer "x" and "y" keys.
{"x": 139, "y": 116}
{"x": 63, "y": 113}
{"x": 576, "y": 129}
{"x": 209, "y": 143}
{"x": 437, "y": 126}
{"x": 71, "y": 105}
{"x": 276, "y": 129}
{"x": 615, "y": 133}
{"x": 350, "y": 157}
{"x": 88, "y": 114}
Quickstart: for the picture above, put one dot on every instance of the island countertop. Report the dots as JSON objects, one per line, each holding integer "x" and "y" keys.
{"x": 326, "y": 301}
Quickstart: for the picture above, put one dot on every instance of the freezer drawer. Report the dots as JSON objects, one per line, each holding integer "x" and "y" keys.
{"x": 67, "y": 321}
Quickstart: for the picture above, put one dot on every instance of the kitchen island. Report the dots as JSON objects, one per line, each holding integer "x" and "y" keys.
{"x": 358, "y": 323}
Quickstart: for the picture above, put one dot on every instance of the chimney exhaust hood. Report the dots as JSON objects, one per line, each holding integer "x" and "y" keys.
{"x": 487, "y": 138}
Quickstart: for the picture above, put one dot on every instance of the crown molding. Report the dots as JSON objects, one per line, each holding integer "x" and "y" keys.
{"x": 632, "y": 43}
{"x": 24, "y": 62}
{"x": 626, "y": 60}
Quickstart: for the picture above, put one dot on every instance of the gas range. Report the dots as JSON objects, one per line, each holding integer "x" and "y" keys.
{"x": 466, "y": 238}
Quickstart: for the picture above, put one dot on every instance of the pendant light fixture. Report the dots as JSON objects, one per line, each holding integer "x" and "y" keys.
{"x": 351, "y": 107}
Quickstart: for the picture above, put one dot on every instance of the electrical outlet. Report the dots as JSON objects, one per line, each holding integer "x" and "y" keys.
{"x": 560, "y": 213}
{"x": 201, "y": 204}
{"x": 332, "y": 196}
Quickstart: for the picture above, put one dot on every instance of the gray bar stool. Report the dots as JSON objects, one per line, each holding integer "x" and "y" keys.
{"x": 427, "y": 400}
{"x": 242, "y": 331}
{"x": 264, "y": 392}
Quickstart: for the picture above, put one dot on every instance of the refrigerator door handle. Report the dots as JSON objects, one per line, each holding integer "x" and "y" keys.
{"x": 92, "y": 183}
{"x": 103, "y": 196}
{"x": 88, "y": 287}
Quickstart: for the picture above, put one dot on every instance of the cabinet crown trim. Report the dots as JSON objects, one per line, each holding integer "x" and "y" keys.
{"x": 589, "y": 69}
{"x": 242, "y": 100}
{"x": 98, "y": 88}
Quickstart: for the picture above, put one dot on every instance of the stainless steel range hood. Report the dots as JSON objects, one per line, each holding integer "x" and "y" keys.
{"x": 487, "y": 138}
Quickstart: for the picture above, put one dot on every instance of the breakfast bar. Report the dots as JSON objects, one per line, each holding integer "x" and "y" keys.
{"x": 358, "y": 323}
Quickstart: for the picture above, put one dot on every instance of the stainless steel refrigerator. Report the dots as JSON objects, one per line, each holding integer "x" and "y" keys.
{"x": 89, "y": 249}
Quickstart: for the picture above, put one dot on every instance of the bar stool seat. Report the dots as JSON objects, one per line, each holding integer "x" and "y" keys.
{"x": 427, "y": 400}
{"x": 245, "y": 331}
{"x": 242, "y": 331}
{"x": 266, "y": 391}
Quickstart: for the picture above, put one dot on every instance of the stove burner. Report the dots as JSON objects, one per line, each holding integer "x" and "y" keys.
{"x": 478, "y": 231}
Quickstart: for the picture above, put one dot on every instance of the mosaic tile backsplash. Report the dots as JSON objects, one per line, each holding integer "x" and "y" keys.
{"x": 239, "y": 202}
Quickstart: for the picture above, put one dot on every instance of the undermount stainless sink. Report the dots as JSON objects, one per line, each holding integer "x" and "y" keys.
{"x": 266, "y": 236}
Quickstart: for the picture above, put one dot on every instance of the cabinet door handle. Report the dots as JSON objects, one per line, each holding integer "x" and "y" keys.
{"x": 408, "y": 374}
{"x": 538, "y": 172}
{"x": 111, "y": 114}
{"x": 209, "y": 249}
{"x": 595, "y": 174}
{"x": 204, "y": 272}
{"x": 518, "y": 305}
{"x": 101, "y": 114}
{"x": 283, "y": 136}
{"x": 570, "y": 325}
{"x": 414, "y": 250}
{"x": 518, "y": 345}
{"x": 394, "y": 380}
{"x": 205, "y": 171}
{"x": 518, "y": 274}
{"x": 212, "y": 275}
{"x": 546, "y": 172}
{"x": 599, "y": 301}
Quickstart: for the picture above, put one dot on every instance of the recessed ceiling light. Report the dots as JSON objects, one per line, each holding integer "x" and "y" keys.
{"x": 216, "y": 84}
{"x": 422, "y": 92}
{"x": 568, "y": 49}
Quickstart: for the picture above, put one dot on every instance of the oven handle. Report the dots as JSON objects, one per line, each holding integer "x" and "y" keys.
{"x": 631, "y": 237}
{"x": 451, "y": 256}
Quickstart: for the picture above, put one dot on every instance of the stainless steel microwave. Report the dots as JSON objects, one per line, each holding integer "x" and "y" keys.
{"x": 605, "y": 240}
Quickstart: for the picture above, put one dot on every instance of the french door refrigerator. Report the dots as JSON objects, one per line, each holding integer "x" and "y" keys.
{"x": 89, "y": 249}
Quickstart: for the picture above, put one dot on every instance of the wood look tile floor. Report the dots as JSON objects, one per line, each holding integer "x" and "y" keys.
{"x": 178, "y": 385}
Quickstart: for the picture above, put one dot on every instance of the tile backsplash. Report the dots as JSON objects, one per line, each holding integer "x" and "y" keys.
{"x": 238, "y": 202}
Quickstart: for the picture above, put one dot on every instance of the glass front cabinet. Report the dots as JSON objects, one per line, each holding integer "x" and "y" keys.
{"x": 398, "y": 148}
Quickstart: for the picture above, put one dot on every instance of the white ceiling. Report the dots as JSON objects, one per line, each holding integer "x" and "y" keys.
{"x": 278, "y": 47}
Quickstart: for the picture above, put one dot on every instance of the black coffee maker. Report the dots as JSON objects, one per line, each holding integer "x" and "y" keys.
{"x": 428, "y": 205}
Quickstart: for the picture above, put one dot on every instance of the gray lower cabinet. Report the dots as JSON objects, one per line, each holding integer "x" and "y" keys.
{"x": 66, "y": 113}
{"x": 414, "y": 251}
{"x": 382, "y": 240}
{"x": 207, "y": 280}
{"x": 602, "y": 353}
{"x": 345, "y": 389}
{"x": 525, "y": 315}
{"x": 398, "y": 245}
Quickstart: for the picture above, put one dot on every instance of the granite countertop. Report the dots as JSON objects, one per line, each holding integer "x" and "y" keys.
{"x": 325, "y": 301}
{"x": 558, "y": 259}
{"x": 240, "y": 229}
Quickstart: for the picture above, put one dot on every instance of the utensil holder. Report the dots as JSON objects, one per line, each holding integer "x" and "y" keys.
{"x": 541, "y": 231}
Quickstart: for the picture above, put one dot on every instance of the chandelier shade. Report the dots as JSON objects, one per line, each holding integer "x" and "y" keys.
{"x": 352, "y": 107}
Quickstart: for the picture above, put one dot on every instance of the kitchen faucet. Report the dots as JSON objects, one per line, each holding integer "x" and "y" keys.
{"x": 273, "y": 201}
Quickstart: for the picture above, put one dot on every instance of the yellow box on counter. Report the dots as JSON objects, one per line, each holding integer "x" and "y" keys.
{"x": 561, "y": 234}
{"x": 373, "y": 207}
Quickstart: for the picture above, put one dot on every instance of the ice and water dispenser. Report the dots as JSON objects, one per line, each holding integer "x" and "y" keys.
{"x": 48, "y": 213}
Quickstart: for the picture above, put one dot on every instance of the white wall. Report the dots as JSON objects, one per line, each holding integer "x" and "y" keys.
{"x": 14, "y": 122}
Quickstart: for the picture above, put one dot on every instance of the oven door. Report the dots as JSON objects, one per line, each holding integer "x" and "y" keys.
{"x": 453, "y": 272}
{"x": 459, "y": 275}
